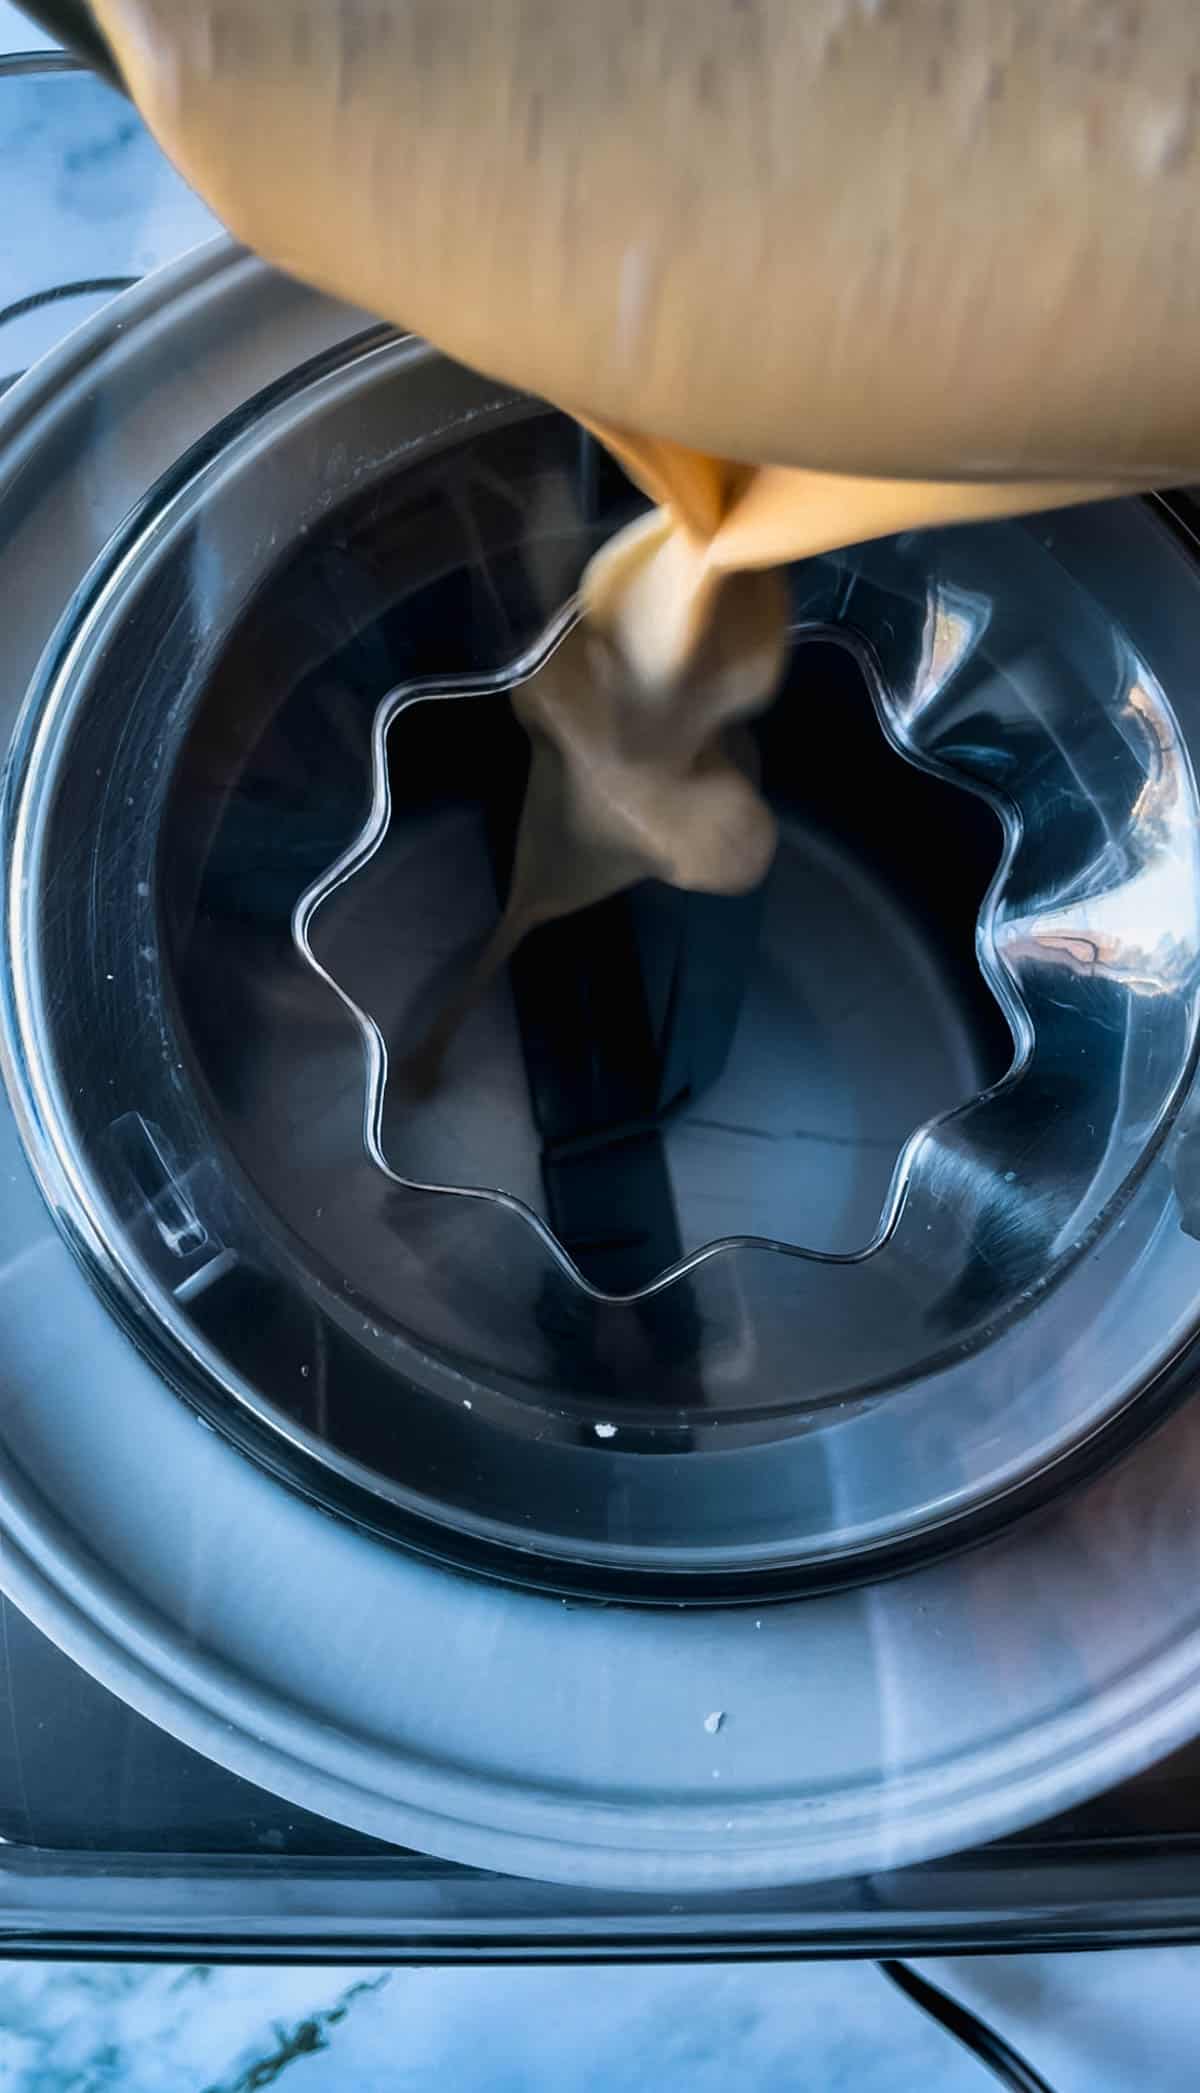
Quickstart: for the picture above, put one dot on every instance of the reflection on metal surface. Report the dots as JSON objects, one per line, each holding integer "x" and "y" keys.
{"x": 1132, "y": 916}
{"x": 955, "y": 622}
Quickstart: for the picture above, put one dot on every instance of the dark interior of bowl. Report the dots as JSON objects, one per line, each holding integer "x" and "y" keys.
{"x": 656, "y": 1073}
{"x": 710, "y": 1266}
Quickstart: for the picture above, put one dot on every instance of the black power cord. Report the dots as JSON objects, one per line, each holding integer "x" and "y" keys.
{"x": 86, "y": 287}
{"x": 82, "y": 287}
{"x": 1000, "y": 2058}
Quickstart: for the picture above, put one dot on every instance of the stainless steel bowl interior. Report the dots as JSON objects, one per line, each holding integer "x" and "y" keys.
{"x": 865, "y": 1727}
{"x": 866, "y": 1183}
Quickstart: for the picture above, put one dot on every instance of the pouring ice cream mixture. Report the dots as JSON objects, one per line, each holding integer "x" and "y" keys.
{"x": 814, "y": 274}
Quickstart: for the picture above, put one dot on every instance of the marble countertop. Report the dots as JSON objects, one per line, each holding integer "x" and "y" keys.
{"x": 88, "y": 197}
{"x": 1089, "y": 2023}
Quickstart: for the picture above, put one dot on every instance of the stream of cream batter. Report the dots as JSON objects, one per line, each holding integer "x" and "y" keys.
{"x": 854, "y": 242}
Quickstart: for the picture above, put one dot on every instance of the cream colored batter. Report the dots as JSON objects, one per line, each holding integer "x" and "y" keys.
{"x": 864, "y": 240}
{"x": 945, "y": 238}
